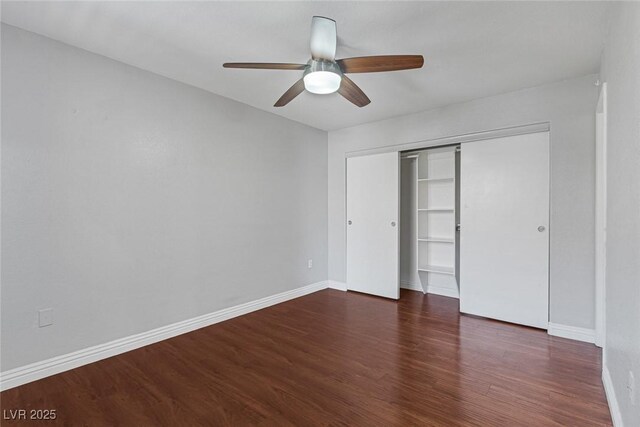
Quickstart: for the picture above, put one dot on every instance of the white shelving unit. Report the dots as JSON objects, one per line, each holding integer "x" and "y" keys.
{"x": 436, "y": 216}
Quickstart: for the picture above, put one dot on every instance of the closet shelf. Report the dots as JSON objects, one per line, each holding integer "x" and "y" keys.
{"x": 436, "y": 210}
{"x": 443, "y": 179}
{"x": 437, "y": 269}
{"x": 436, "y": 240}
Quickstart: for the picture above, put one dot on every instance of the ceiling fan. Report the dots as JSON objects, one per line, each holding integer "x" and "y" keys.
{"x": 324, "y": 74}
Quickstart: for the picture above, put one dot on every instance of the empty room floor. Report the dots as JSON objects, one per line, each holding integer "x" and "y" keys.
{"x": 337, "y": 358}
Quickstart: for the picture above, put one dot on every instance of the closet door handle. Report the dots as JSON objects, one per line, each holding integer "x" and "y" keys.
{"x": 541, "y": 228}
{"x": 349, "y": 222}
{"x": 393, "y": 223}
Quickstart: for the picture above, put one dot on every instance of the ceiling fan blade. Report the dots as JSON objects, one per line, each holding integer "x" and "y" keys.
{"x": 323, "y": 38}
{"x": 264, "y": 65}
{"x": 352, "y": 92}
{"x": 295, "y": 90}
{"x": 374, "y": 64}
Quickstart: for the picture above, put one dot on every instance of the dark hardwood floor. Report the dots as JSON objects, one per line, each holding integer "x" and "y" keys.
{"x": 336, "y": 358}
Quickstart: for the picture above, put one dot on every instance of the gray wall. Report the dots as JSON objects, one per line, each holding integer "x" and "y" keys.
{"x": 621, "y": 71}
{"x": 570, "y": 107}
{"x": 131, "y": 201}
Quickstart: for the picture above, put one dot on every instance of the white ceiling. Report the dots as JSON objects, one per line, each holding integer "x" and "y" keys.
{"x": 471, "y": 49}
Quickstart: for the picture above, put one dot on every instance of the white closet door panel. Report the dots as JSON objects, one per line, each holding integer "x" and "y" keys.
{"x": 504, "y": 237}
{"x": 372, "y": 224}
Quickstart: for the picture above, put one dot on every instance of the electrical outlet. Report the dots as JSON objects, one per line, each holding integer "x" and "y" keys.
{"x": 310, "y": 263}
{"x": 631, "y": 385}
{"x": 45, "y": 317}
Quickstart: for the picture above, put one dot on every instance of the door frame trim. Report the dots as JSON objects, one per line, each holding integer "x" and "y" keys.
{"x": 455, "y": 139}
{"x": 600, "y": 262}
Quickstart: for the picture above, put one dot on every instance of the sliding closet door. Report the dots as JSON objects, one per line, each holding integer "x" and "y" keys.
{"x": 372, "y": 224}
{"x": 504, "y": 236}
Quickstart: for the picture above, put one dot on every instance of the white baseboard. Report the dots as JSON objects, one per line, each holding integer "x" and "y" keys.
{"x": 38, "y": 370}
{"x": 572, "y": 332}
{"x": 411, "y": 286}
{"x": 614, "y": 409}
{"x": 445, "y": 292}
{"x": 334, "y": 284}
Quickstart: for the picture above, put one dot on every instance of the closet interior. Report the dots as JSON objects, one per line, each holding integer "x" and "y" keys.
{"x": 429, "y": 209}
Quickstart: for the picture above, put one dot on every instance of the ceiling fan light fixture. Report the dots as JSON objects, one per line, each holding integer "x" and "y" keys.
{"x": 322, "y": 82}
{"x": 322, "y": 77}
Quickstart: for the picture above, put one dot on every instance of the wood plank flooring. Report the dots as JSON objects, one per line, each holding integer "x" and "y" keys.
{"x": 336, "y": 358}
